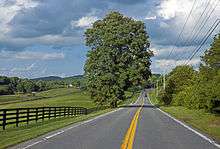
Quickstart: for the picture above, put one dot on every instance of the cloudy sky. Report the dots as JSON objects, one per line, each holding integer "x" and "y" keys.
{"x": 45, "y": 37}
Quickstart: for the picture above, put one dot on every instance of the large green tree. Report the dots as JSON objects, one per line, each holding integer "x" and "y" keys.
{"x": 211, "y": 58}
{"x": 210, "y": 75}
{"x": 118, "y": 59}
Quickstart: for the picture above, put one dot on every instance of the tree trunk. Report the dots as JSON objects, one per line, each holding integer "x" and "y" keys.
{"x": 114, "y": 104}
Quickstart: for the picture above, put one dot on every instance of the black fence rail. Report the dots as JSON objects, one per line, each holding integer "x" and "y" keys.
{"x": 25, "y": 115}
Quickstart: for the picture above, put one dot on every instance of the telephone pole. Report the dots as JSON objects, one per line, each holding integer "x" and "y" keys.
{"x": 157, "y": 88}
{"x": 164, "y": 82}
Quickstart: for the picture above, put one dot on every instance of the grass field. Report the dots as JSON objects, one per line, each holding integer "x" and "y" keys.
{"x": 200, "y": 119}
{"x": 56, "y": 97}
{"x": 40, "y": 95}
{"x": 3, "y": 87}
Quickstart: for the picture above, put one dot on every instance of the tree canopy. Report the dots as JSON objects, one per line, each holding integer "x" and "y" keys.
{"x": 119, "y": 57}
{"x": 212, "y": 55}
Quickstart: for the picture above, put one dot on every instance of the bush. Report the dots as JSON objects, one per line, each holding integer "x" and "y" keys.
{"x": 164, "y": 98}
{"x": 202, "y": 95}
{"x": 178, "y": 79}
{"x": 5, "y": 90}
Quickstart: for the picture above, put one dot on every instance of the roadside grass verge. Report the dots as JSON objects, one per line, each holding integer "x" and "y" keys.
{"x": 199, "y": 119}
{"x": 15, "y": 135}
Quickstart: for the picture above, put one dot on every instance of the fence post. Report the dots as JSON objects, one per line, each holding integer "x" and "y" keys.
{"x": 59, "y": 111}
{"x": 85, "y": 111}
{"x": 55, "y": 112}
{"x": 64, "y": 111}
{"x": 75, "y": 111}
{"x": 17, "y": 117}
{"x": 68, "y": 111}
{"x": 4, "y": 119}
{"x": 42, "y": 113}
{"x": 71, "y": 111}
{"x": 36, "y": 114}
{"x": 49, "y": 112}
{"x": 28, "y": 110}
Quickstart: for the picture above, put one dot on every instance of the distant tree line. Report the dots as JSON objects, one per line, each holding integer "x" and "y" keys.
{"x": 196, "y": 89}
{"x": 12, "y": 85}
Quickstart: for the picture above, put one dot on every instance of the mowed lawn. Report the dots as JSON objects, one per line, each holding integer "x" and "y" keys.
{"x": 199, "y": 119}
{"x": 54, "y": 97}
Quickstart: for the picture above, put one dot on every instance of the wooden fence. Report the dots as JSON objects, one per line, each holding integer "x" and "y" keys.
{"x": 25, "y": 115}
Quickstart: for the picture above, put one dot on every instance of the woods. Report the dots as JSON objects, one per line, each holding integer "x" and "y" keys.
{"x": 13, "y": 85}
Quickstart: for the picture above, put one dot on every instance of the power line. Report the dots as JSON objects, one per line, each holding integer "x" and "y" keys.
{"x": 200, "y": 17}
{"x": 208, "y": 34}
{"x": 198, "y": 20}
{"x": 201, "y": 26}
{"x": 205, "y": 20}
{"x": 182, "y": 30}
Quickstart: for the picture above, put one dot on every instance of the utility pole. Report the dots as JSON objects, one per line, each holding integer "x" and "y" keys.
{"x": 157, "y": 88}
{"x": 164, "y": 81}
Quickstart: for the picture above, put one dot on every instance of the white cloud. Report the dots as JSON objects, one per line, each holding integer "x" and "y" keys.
{"x": 151, "y": 17}
{"x": 20, "y": 69}
{"x": 30, "y": 55}
{"x": 8, "y": 11}
{"x": 173, "y": 15}
{"x": 178, "y": 52}
{"x": 4, "y": 69}
{"x": 169, "y": 9}
{"x": 84, "y": 21}
{"x": 164, "y": 25}
{"x": 176, "y": 12}
{"x": 26, "y": 55}
{"x": 168, "y": 64}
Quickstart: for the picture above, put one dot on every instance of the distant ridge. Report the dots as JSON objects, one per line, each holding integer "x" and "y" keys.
{"x": 49, "y": 78}
{"x": 54, "y": 78}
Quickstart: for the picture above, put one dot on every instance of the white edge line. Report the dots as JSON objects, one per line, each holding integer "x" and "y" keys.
{"x": 66, "y": 129}
{"x": 188, "y": 127}
{"x": 31, "y": 144}
{"x": 55, "y": 134}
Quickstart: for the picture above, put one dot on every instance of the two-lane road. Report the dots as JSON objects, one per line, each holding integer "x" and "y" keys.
{"x": 138, "y": 126}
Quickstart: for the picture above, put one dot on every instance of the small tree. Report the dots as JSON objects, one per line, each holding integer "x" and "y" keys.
{"x": 119, "y": 57}
{"x": 178, "y": 79}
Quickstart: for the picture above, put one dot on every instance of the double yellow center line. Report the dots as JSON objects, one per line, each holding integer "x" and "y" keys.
{"x": 130, "y": 135}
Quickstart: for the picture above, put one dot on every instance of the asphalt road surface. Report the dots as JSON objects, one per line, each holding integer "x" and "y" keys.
{"x": 137, "y": 126}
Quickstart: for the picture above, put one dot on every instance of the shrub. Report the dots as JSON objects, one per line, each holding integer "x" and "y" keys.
{"x": 164, "y": 98}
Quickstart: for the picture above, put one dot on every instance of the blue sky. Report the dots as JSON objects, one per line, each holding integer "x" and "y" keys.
{"x": 45, "y": 37}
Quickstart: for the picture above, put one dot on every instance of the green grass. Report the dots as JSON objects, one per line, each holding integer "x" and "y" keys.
{"x": 199, "y": 119}
{"x": 3, "y": 87}
{"x": 17, "y": 135}
{"x": 56, "y": 97}
{"x": 40, "y": 95}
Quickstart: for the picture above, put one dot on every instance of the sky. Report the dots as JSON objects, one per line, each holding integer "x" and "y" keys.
{"x": 45, "y": 37}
